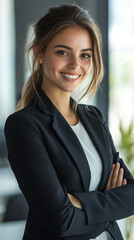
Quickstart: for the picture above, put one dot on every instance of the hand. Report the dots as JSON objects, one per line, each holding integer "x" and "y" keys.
{"x": 75, "y": 201}
{"x": 116, "y": 177}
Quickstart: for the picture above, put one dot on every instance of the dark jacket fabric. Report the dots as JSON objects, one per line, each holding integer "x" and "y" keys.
{"x": 49, "y": 162}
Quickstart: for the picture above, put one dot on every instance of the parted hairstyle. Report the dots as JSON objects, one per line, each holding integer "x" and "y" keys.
{"x": 57, "y": 19}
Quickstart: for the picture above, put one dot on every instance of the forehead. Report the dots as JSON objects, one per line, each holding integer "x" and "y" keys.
{"x": 76, "y": 36}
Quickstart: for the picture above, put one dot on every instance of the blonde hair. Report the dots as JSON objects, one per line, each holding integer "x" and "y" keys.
{"x": 57, "y": 19}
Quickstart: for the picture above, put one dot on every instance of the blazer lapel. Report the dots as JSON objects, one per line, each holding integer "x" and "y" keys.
{"x": 67, "y": 137}
{"x": 73, "y": 146}
{"x": 96, "y": 131}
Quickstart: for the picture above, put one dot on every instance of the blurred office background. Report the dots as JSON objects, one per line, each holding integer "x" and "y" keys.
{"x": 115, "y": 98}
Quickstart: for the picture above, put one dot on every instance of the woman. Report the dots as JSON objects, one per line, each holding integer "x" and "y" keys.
{"x": 61, "y": 152}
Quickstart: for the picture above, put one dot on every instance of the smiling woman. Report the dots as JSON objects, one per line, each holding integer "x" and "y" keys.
{"x": 61, "y": 152}
{"x": 62, "y": 22}
{"x": 66, "y": 66}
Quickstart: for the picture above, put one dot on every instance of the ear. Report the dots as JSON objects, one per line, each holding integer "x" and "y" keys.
{"x": 37, "y": 54}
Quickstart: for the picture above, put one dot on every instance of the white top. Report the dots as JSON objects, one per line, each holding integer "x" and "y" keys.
{"x": 95, "y": 165}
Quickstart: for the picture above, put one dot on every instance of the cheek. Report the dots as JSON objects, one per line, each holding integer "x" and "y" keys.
{"x": 54, "y": 63}
{"x": 58, "y": 63}
{"x": 87, "y": 67}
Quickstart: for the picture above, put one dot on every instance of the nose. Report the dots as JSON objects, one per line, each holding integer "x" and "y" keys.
{"x": 74, "y": 62}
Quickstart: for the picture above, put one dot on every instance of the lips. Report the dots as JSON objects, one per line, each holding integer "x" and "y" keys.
{"x": 70, "y": 77}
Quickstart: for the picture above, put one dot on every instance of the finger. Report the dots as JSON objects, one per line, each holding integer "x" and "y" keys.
{"x": 69, "y": 195}
{"x": 120, "y": 177}
{"x": 115, "y": 175}
{"x": 110, "y": 178}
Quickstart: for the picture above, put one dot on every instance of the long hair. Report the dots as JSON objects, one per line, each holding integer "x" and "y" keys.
{"x": 57, "y": 19}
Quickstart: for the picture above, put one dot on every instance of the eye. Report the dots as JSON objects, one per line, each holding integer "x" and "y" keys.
{"x": 61, "y": 52}
{"x": 86, "y": 55}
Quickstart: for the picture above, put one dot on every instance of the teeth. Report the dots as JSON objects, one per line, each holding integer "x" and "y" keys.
{"x": 70, "y": 76}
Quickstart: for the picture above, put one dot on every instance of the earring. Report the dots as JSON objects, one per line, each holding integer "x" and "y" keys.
{"x": 40, "y": 61}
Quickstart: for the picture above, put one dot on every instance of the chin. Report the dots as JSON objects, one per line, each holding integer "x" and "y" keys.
{"x": 70, "y": 90}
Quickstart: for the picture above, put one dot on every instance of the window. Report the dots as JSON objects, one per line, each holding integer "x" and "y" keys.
{"x": 7, "y": 68}
{"x": 121, "y": 59}
{"x": 121, "y": 69}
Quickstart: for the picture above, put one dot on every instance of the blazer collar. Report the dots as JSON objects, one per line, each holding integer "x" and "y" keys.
{"x": 44, "y": 103}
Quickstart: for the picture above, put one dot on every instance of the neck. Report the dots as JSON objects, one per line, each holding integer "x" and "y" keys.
{"x": 61, "y": 100}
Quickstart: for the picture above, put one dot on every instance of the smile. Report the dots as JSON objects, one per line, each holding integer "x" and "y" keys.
{"x": 70, "y": 76}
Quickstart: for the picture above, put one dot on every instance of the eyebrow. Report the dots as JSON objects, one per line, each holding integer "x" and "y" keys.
{"x": 63, "y": 46}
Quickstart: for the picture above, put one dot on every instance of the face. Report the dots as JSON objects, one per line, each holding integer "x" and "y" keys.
{"x": 67, "y": 60}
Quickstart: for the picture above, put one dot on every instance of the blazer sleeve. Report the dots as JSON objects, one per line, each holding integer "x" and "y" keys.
{"x": 45, "y": 193}
{"x": 112, "y": 204}
{"x": 116, "y": 157}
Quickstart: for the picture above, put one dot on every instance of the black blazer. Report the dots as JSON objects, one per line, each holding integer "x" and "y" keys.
{"x": 49, "y": 162}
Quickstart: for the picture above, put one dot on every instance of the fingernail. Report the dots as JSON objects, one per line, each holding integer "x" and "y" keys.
{"x": 125, "y": 181}
{"x": 117, "y": 164}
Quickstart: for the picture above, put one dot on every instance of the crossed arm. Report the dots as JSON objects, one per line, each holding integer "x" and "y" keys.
{"x": 115, "y": 180}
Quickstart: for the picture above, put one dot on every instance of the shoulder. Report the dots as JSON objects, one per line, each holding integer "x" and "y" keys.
{"x": 21, "y": 119}
{"x": 21, "y": 114}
